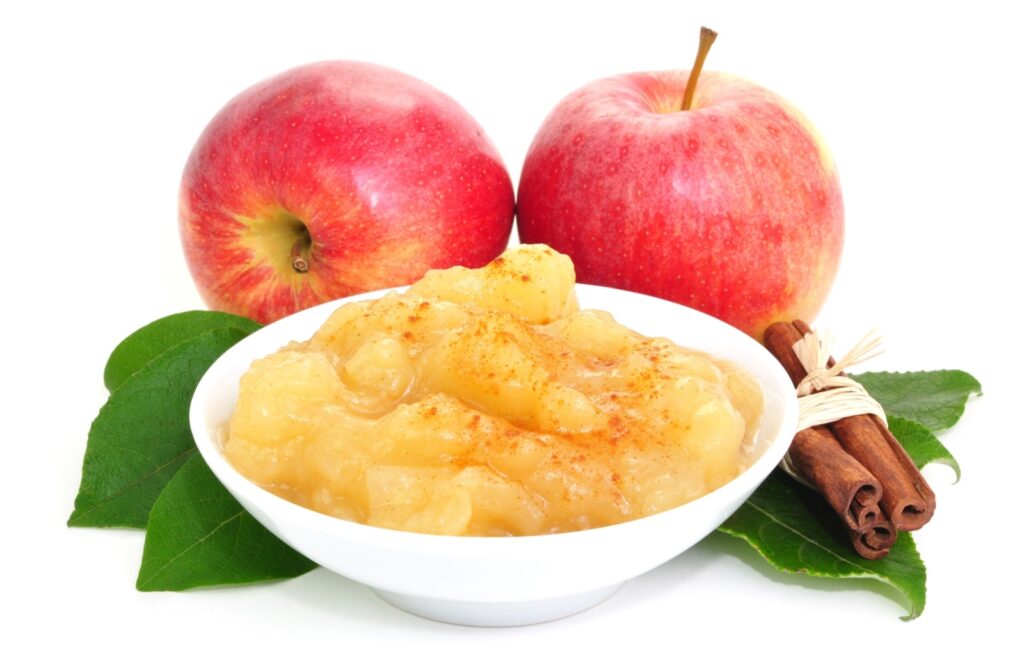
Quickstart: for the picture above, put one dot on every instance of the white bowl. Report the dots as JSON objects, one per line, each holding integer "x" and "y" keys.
{"x": 501, "y": 580}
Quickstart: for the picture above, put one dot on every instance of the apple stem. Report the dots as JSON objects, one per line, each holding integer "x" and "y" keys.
{"x": 707, "y": 38}
{"x": 299, "y": 261}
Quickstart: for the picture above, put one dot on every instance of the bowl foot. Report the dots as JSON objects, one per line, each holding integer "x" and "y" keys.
{"x": 498, "y": 614}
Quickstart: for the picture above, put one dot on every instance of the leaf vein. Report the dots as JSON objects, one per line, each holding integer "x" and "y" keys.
{"x": 806, "y": 538}
{"x": 128, "y": 486}
{"x": 188, "y": 548}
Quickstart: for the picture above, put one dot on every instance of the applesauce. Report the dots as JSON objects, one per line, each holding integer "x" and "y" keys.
{"x": 485, "y": 402}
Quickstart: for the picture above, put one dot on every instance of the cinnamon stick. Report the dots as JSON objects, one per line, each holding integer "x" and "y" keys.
{"x": 874, "y": 542}
{"x": 847, "y": 486}
{"x": 907, "y": 500}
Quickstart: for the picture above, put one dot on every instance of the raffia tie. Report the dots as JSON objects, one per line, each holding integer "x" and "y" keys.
{"x": 826, "y": 396}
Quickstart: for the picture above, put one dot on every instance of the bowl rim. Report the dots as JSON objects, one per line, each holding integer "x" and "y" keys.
{"x": 207, "y": 442}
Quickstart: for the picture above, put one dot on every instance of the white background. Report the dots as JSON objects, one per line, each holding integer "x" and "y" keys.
{"x": 100, "y": 105}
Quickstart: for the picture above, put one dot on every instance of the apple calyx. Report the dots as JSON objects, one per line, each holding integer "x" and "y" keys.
{"x": 281, "y": 238}
{"x": 707, "y": 38}
{"x": 301, "y": 252}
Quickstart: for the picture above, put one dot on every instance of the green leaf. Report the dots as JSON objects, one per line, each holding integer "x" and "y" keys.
{"x": 157, "y": 337}
{"x": 934, "y": 399}
{"x": 795, "y": 531}
{"x": 921, "y": 444}
{"x": 141, "y": 435}
{"x": 199, "y": 535}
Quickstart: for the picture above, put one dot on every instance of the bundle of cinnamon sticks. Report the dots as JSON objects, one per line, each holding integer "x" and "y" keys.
{"x": 856, "y": 464}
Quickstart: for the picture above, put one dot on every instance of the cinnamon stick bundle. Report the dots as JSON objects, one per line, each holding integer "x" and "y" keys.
{"x": 856, "y": 463}
{"x": 907, "y": 498}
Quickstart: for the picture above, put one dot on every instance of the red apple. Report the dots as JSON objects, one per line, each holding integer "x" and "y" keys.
{"x": 337, "y": 178}
{"x": 732, "y": 206}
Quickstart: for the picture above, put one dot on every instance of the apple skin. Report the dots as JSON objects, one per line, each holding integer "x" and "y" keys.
{"x": 370, "y": 175}
{"x": 732, "y": 207}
